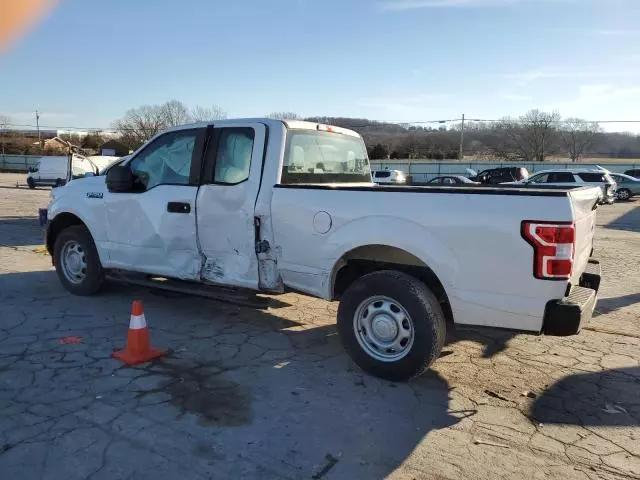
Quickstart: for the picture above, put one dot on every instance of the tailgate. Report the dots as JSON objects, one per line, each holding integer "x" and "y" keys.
{"x": 584, "y": 202}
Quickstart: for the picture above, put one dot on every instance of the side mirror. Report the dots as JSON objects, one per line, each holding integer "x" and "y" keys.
{"x": 119, "y": 179}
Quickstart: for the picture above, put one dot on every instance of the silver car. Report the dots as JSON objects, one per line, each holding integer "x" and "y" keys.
{"x": 576, "y": 177}
{"x": 628, "y": 186}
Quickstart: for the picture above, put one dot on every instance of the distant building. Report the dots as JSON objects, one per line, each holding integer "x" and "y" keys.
{"x": 32, "y": 133}
{"x": 114, "y": 148}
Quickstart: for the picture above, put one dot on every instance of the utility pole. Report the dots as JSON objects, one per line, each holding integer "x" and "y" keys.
{"x": 38, "y": 127}
{"x": 461, "y": 156}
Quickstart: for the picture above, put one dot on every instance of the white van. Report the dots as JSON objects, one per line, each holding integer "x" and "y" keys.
{"x": 389, "y": 176}
{"x": 53, "y": 171}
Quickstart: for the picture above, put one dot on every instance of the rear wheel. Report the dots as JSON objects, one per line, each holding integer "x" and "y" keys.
{"x": 623, "y": 194}
{"x": 77, "y": 263}
{"x": 59, "y": 182}
{"x": 391, "y": 324}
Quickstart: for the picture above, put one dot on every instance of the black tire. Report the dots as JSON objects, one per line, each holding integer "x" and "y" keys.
{"x": 623, "y": 194}
{"x": 59, "y": 182}
{"x": 31, "y": 183}
{"x": 94, "y": 276}
{"x": 421, "y": 305}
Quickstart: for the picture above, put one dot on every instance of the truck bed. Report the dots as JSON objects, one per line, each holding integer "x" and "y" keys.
{"x": 469, "y": 236}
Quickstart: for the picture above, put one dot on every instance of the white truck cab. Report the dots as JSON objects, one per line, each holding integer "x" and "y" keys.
{"x": 274, "y": 206}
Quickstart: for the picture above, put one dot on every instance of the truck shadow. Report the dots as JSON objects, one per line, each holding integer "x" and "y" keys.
{"x": 493, "y": 341}
{"x": 607, "y": 398}
{"x": 608, "y": 305}
{"x": 281, "y": 375}
{"x": 21, "y": 231}
{"x": 629, "y": 222}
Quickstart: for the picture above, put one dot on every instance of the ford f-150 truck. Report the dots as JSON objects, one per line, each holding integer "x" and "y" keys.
{"x": 274, "y": 206}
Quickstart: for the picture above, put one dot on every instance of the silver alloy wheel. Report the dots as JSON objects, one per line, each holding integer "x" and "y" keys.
{"x": 623, "y": 194}
{"x": 383, "y": 328}
{"x": 73, "y": 262}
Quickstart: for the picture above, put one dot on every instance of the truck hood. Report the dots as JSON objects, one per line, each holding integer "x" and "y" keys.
{"x": 81, "y": 186}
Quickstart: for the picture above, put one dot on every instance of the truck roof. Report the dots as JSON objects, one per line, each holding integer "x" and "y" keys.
{"x": 292, "y": 124}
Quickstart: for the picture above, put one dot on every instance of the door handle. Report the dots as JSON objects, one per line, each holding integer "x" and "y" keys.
{"x": 178, "y": 207}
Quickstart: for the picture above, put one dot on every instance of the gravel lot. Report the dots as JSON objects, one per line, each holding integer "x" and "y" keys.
{"x": 271, "y": 394}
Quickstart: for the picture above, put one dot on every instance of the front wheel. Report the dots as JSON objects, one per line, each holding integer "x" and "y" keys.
{"x": 31, "y": 183}
{"x": 623, "y": 194}
{"x": 391, "y": 325}
{"x": 77, "y": 263}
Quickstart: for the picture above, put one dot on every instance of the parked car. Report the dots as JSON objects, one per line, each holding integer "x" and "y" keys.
{"x": 389, "y": 176}
{"x": 628, "y": 186}
{"x": 400, "y": 271}
{"x": 53, "y": 171}
{"x": 569, "y": 177}
{"x": 494, "y": 176}
{"x": 452, "y": 180}
{"x": 634, "y": 172}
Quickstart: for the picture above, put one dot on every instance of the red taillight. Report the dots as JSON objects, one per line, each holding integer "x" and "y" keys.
{"x": 553, "y": 248}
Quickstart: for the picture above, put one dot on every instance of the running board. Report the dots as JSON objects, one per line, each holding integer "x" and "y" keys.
{"x": 227, "y": 295}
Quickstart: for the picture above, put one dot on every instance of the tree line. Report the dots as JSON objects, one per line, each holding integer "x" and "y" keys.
{"x": 534, "y": 136}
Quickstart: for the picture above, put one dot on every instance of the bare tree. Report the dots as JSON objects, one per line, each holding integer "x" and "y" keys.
{"x": 140, "y": 124}
{"x": 4, "y": 122}
{"x": 532, "y": 136}
{"x": 174, "y": 113}
{"x": 577, "y": 136}
{"x": 284, "y": 116}
{"x": 540, "y": 133}
{"x": 204, "y": 114}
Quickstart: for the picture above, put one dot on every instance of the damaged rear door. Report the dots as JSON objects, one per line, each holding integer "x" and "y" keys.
{"x": 226, "y": 203}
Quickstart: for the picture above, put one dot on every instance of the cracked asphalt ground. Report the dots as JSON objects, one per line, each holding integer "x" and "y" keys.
{"x": 271, "y": 394}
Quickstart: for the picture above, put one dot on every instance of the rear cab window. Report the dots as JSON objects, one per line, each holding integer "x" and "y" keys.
{"x": 324, "y": 157}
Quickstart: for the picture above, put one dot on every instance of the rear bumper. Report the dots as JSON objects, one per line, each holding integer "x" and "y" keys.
{"x": 566, "y": 316}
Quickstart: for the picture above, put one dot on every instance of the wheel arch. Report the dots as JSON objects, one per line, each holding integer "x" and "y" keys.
{"x": 58, "y": 224}
{"x": 366, "y": 259}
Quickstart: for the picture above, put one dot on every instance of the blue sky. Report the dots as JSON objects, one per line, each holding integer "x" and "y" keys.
{"x": 397, "y": 60}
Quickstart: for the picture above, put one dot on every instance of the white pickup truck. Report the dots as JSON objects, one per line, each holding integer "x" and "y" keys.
{"x": 274, "y": 206}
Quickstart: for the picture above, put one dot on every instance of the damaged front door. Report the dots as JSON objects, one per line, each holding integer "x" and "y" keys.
{"x": 226, "y": 204}
{"x": 152, "y": 228}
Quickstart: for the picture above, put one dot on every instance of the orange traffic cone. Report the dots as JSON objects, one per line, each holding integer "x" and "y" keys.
{"x": 138, "y": 349}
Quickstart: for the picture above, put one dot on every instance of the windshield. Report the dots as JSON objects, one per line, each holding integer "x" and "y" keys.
{"x": 324, "y": 157}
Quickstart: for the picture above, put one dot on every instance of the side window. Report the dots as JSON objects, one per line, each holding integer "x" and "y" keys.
{"x": 167, "y": 161}
{"x": 233, "y": 155}
{"x": 540, "y": 178}
{"x": 592, "y": 177}
{"x": 561, "y": 177}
